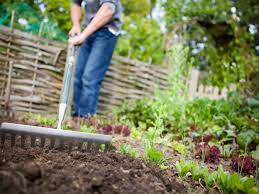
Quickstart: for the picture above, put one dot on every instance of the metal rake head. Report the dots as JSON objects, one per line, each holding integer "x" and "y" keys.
{"x": 52, "y": 138}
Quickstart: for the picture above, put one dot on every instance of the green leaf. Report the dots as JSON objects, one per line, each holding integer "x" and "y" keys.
{"x": 180, "y": 148}
{"x": 246, "y": 138}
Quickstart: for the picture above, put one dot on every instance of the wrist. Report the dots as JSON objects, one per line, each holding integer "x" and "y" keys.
{"x": 76, "y": 24}
{"x": 86, "y": 33}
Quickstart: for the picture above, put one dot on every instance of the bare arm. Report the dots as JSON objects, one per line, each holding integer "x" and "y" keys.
{"x": 76, "y": 13}
{"x": 101, "y": 18}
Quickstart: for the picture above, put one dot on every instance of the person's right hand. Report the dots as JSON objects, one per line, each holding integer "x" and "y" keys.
{"x": 75, "y": 30}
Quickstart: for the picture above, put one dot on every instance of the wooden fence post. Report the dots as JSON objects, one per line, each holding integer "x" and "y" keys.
{"x": 8, "y": 89}
{"x": 10, "y": 69}
{"x": 193, "y": 83}
{"x": 36, "y": 64}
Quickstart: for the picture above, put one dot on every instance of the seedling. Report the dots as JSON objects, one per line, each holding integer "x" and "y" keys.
{"x": 155, "y": 156}
{"x": 87, "y": 129}
{"x": 127, "y": 149}
{"x": 180, "y": 148}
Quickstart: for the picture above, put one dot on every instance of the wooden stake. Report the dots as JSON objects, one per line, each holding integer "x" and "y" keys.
{"x": 36, "y": 64}
{"x": 12, "y": 21}
{"x": 10, "y": 64}
{"x": 8, "y": 88}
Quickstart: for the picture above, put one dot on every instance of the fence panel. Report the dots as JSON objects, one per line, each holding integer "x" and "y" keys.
{"x": 31, "y": 75}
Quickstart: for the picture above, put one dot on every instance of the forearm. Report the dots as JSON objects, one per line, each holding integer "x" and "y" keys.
{"x": 102, "y": 17}
{"x": 76, "y": 13}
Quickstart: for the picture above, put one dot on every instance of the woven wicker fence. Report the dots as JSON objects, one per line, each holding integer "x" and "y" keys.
{"x": 31, "y": 73}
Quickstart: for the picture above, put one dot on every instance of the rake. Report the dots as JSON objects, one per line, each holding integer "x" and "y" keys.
{"x": 81, "y": 140}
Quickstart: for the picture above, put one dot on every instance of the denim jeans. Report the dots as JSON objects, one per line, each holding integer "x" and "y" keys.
{"x": 94, "y": 57}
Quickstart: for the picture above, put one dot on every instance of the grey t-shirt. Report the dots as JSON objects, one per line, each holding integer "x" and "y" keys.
{"x": 91, "y": 8}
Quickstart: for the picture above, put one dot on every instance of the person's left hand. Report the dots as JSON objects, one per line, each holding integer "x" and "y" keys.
{"x": 77, "y": 40}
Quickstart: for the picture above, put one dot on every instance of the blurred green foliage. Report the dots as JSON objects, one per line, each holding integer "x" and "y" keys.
{"x": 142, "y": 37}
{"x": 28, "y": 18}
{"x": 60, "y": 11}
{"x": 216, "y": 32}
{"x": 142, "y": 40}
{"x": 219, "y": 39}
{"x": 136, "y": 8}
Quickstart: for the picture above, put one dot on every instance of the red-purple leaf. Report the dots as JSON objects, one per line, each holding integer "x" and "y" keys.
{"x": 246, "y": 163}
{"x": 211, "y": 154}
{"x": 107, "y": 128}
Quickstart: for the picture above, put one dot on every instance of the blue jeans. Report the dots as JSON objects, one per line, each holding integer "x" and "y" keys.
{"x": 93, "y": 61}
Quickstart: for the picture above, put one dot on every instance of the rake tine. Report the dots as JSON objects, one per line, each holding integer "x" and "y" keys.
{"x": 42, "y": 142}
{"x": 37, "y": 141}
{"x": 52, "y": 143}
{"x": 12, "y": 140}
{"x": 70, "y": 145}
{"x": 107, "y": 147}
{"x": 23, "y": 139}
{"x": 89, "y": 146}
{"x": 84, "y": 147}
{"x": 97, "y": 147}
{"x": 80, "y": 145}
{"x": 2, "y": 139}
{"x": 61, "y": 144}
{"x": 33, "y": 139}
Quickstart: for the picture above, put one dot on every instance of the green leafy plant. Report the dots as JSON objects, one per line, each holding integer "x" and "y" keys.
{"x": 155, "y": 156}
{"x": 180, "y": 148}
{"x": 87, "y": 129}
{"x": 184, "y": 168}
{"x": 135, "y": 133}
{"x": 46, "y": 121}
{"x": 127, "y": 149}
{"x": 227, "y": 183}
{"x": 226, "y": 150}
{"x": 210, "y": 179}
{"x": 246, "y": 138}
{"x": 234, "y": 183}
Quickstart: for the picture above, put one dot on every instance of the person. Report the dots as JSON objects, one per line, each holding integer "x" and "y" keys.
{"x": 101, "y": 27}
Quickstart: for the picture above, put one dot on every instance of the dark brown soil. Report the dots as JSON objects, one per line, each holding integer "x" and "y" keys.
{"x": 36, "y": 170}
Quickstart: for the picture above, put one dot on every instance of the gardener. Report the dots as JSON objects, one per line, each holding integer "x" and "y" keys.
{"x": 101, "y": 27}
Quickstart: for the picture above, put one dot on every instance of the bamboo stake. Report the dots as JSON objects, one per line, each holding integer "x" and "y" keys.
{"x": 8, "y": 88}
{"x": 8, "y": 85}
{"x": 36, "y": 63}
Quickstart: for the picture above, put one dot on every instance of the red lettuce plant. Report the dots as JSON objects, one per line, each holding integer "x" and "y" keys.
{"x": 122, "y": 129}
{"x": 107, "y": 128}
{"x": 92, "y": 122}
{"x": 243, "y": 163}
{"x": 126, "y": 131}
{"x": 206, "y": 138}
{"x": 209, "y": 154}
{"x": 118, "y": 129}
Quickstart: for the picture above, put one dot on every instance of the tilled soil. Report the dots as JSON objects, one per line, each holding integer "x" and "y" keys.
{"x": 38, "y": 170}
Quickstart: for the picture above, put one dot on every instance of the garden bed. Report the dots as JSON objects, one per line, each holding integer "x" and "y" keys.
{"x": 36, "y": 170}
{"x": 131, "y": 167}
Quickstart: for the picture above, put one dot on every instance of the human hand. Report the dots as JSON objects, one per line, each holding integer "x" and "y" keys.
{"x": 77, "y": 40}
{"x": 75, "y": 30}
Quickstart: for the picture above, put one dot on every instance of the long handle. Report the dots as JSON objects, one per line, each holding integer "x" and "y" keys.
{"x": 66, "y": 86}
{"x": 68, "y": 76}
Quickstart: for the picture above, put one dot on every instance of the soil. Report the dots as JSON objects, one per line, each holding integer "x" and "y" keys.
{"x": 36, "y": 170}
